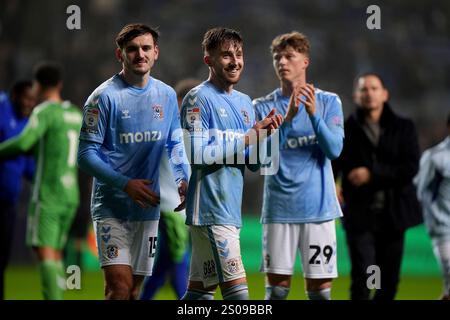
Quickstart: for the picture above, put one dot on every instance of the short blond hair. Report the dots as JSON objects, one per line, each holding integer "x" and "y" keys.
{"x": 298, "y": 41}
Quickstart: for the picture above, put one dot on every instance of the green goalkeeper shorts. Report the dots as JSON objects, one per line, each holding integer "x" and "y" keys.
{"x": 49, "y": 227}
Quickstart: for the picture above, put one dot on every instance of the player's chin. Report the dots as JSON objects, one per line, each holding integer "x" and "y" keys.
{"x": 284, "y": 77}
{"x": 369, "y": 106}
{"x": 140, "y": 71}
{"x": 233, "y": 79}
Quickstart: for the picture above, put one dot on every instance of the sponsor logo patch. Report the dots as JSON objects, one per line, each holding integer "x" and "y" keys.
{"x": 223, "y": 112}
{"x": 90, "y": 124}
{"x": 126, "y": 114}
{"x": 337, "y": 121}
{"x": 209, "y": 269}
{"x": 245, "y": 116}
{"x": 193, "y": 119}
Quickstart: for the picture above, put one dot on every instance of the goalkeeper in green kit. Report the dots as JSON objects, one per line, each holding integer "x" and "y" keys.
{"x": 52, "y": 135}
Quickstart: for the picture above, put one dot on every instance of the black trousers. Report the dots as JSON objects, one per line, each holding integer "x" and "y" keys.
{"x": 7, "y": 219}
{"x": 383, "y": 249}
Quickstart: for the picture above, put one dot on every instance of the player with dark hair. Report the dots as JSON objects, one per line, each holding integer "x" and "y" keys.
{"x": 128, "y": 121}
{"x": 51, "y": 133}
{"x": 378, "y": 163}
{"x": 14, "y": 112}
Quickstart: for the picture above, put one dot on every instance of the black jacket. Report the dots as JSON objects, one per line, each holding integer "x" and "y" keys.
{"x": 393, "y": 164}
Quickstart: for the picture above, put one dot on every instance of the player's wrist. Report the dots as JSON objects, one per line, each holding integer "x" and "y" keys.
{"x": 311, "y": 112}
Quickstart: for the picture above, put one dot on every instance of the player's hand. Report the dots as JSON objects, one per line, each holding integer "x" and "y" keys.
{"x": 340, "y": 194}
{"x": 182, "y": 191}
{"x": 294, "y": 104}
{"x": 138, "y": 190}
{"x": 270, "y": 123}
{"x": 359, "y": 176}
{"x": 310, "y": 98}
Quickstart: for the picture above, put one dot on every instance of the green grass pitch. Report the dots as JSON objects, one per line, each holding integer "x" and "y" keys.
{"x": 22, "y": 283}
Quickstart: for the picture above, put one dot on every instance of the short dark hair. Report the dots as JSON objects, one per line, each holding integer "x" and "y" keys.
{"x": 131, "y": 31}
{"x": 369, "y": 74}
{"x": 215, "y": 37}
{"x": 48, "y": 74}
{"x": 298, "y": 41}
{"x": 19, "y": 87}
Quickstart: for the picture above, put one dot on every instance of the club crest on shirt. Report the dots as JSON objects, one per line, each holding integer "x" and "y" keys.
{"x": 233, "y": 265}
{"x": 112, "y": 252}
{"x": 158, "y": 112}
{"x": 245, "y": 116}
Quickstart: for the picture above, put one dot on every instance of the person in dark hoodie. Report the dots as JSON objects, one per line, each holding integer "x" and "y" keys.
{"x": 15, "y": 108}
{"x": 377, "y": 165}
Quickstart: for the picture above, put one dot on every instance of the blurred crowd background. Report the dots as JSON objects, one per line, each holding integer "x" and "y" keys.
{"x": 411, "y": 51}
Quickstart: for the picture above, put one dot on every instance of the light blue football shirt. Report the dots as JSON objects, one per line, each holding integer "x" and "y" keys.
{"x": 433, "y": 189}
{"x": 303, "y": 189}
{"x": 124, "y": 131}
{"x": 216, "y": 122}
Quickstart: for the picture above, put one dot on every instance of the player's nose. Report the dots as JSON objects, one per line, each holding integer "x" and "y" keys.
{"x": 281, "y": 60}
{"x": 140, "y": 53}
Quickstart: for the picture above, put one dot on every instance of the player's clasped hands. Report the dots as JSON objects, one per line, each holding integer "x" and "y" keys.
{"x": 307, "y": 92}
{"x": 138, "y": 190}
{"x": 270, "y": 123}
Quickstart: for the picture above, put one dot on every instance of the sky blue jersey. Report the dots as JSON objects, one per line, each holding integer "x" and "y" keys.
{"x": 303, "y": 189}
{"x": 216, "y": 123}
{"x": 124, "y": 131}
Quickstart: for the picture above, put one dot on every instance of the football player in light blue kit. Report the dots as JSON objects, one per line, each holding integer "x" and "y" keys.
{"x": 433, "y": 191}
{"x": 300, "y": 203}
{"x": 128, "y": 120}
{"x": 219, "y": 122}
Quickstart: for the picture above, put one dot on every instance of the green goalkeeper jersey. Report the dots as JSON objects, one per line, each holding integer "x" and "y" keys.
{"x": 52, "y": 133}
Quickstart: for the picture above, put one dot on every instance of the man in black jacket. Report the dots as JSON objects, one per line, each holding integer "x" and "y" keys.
{"x": 377, "y": 165}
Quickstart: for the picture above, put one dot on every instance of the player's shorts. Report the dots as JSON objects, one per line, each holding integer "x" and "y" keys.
{"x": 316, "y": 243}
{"x": 49, "y": 227}
{"x": 216, "y": 254}
{"x": 132, "y": 243}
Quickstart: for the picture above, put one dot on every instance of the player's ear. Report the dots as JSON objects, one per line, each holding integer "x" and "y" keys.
{"x": 156, "y": 52}
{"x": 207, "y": 60}
{"x": 306, "y": 62}
{"x": 357, "y": 97}
{"x": 118, "y": 53}
{"x": 385, "y": 95}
